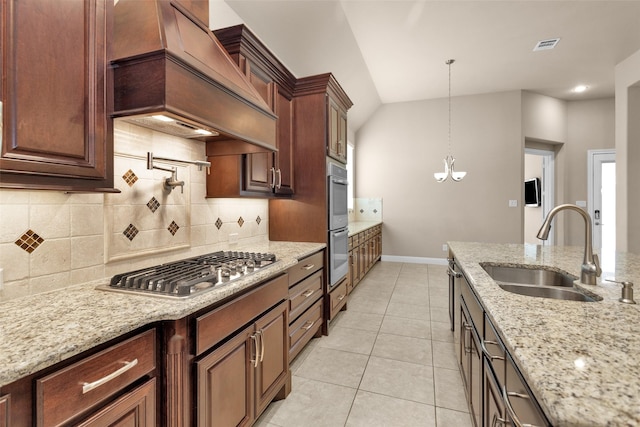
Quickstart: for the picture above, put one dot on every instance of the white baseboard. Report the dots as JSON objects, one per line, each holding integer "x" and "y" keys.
{"x": 414, "y": 260}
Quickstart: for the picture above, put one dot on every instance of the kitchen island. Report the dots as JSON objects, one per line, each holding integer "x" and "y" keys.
{"x": 41, "y": 330}
{"x": 580, "y": 359}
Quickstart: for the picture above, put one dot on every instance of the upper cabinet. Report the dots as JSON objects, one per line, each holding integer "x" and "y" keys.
{"x": 258, "y": 174}
{"x": 56, "y": 95}
{"x": 337, "y": 144}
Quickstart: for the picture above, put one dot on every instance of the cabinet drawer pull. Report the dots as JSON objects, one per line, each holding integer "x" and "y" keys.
{"x": 308, "y": 267}
{"x": 497, "y": 421}
{"x": 254, "y": 360}
{"x": 512, "y": 414}
{"x": 452, "y": 272}
{"x": 308, "y": 293}
{"x": 486, "y": 352}
{"x": 279, "y": 184}
{"x": 341, "y": 297}
{"x": 273, "y": 178}
{"x": 309, "y": 325}
{"x": 87, "y": 387}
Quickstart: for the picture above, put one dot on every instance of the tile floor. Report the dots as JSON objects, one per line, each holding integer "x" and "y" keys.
{"x": 389, "y": 359}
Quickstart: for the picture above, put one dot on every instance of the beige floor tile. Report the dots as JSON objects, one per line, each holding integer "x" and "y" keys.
{"x": 441, "y": 331}
{"x": 403, "y": 380}
{"x": 406, "y": 349}
{"x": 448, "y": 418}
{"x": 295, "y": 364}
{"x": 409, "y": 311}
{"x": 444, "y": 355}
{"x": 334, "y": 366}
{"x": 311, "y": 403}
{"x": 347, "y": 339}
{"x": 411, "y": 295}
{"x": 367, "y": 290}
{"x": 436, "y": 292}
{"x": 449, "y": 391}
{"x": 371, "y": 409}
{"x": 416, "y": 328}
{"x": 368, "y": 304}
{"x": 358, "y": 320}
{"x": 439, "y": 314}
{"x": 439, "y": 301}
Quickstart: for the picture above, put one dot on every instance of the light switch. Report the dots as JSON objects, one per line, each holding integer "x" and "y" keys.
{"x": 513, "y": 203}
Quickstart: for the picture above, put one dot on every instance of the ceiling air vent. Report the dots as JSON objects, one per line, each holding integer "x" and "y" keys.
{"x": 546, "y": 44}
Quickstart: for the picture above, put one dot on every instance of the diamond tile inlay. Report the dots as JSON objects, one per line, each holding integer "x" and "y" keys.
{"x": 29, "y": 241}
{"x": 218, "y": 223}
{"x": 258, "y": 220}
{"x": 130, "y": 178}
{"x": 173, "y": 228}
{"x": 361, "y": 210}
{"x": 153, "y": 204}
{"x": 375, "y": 211}
{"x": 240, "y": 221}
{"x": 130, "y": 232}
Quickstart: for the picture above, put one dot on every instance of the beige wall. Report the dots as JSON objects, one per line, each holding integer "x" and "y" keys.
{"x": 627, "y": 74}
{"x": 403, "y": 144}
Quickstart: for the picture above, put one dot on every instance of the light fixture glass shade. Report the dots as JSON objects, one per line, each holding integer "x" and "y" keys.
{"x": 442, "y": 176}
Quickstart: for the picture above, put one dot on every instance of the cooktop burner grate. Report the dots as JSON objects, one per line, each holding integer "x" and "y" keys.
{"x": 191, "y": 276}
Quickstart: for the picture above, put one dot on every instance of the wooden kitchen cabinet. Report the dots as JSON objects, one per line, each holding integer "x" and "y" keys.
{"x": 56, "y": 91}
{"x": 266, "y": 173}
{"x": 337, "y": 144}
{"x": 237, "y": 381}
{"x": 365, "y": 249}
{"x": 5, "y": 407}
{"x": 337, "y": 299}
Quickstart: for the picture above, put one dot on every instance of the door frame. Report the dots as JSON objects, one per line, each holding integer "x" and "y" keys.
{"x": 591, "y": 157}
{"x": 548, "y": 185}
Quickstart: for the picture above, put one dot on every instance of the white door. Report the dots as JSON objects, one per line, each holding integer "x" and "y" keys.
{"x": 602, "y": 198}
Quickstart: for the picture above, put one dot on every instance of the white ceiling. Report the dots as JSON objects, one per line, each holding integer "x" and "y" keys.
{"x": 395, "y": 50}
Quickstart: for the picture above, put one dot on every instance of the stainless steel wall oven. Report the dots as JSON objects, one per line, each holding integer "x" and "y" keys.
{"x": 338, "y": 222}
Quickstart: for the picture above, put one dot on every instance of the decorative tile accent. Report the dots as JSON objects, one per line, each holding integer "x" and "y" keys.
{"x": 153, "y": 204}
{"x": 130, "y": 178}
{"x": 258, "y": 220}
{"x": 361, "y": 210}
{"x": 218, "y": 223}
{"x": 173, "y": 228}
{"x": 130, "y": 232}
{"x": 375, "y": 211}
{"x": 240, "y": 221}
{"x": 29, "y": 241}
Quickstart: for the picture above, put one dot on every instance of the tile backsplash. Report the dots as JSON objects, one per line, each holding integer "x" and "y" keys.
{"x": 366, "y": 209}
{"x": 50, "y": 240}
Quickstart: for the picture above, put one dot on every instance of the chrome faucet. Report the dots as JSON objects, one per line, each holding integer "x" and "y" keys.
{"x": 171, "y": 183}
{"x": 590, "y": 269}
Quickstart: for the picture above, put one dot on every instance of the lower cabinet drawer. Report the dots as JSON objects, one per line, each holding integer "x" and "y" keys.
{"x": 302, "y": 295}
{"x": 73, "y": 390}
{"x": 305, "y": 267}
{"x": 337, "y": 299}
{"x": 302, "y": 330}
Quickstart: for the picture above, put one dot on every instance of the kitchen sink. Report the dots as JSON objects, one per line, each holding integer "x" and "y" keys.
{"x": 536, "y": 282}
{"x": 546, "y": 292}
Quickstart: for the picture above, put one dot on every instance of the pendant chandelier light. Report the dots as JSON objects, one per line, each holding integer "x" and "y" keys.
{"x": 449, "y": 160}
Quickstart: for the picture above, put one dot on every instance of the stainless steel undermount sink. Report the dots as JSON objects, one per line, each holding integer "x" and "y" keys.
{"x": 536, "y": 282}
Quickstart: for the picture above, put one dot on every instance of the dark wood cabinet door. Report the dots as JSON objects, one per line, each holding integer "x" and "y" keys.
{"x": 272, "y": 368}
{"x": 5, "y": 402}
{"x": 225, "y": 383}
{"x": 136, "y": 408}
{"x": 259, "y": 172}
{"x": 337, "y": 144}
{"x": 284, "y": 165}
{"x": 56, "y": 95}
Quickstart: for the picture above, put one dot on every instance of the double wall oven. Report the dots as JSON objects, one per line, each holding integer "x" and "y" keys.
{"x": 338, "y": 239}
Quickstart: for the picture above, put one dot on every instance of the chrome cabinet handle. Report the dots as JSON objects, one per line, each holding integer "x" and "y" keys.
{"x": 308, "y": 293}
{"x": 467, "y": 328}
{"x": 273, "y": 178}
{"x": 279, "y": 184}
{"x": 308, "y": 267}
{"x": 254, "y": 339}
{"x": 308, "y": 325}
{"x": 341, "y": 297}
{"x": 261, "y": 345}
{"x": 87, "y": 387}
{"x": 497, "y": 421}
{"x": 507, "y": 403}
{"x": 486, "y": 352}
{"x": 452, "y": 272}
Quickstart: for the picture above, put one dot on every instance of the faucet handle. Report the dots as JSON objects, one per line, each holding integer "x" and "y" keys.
{"x": 627, "y": 290}
{"x": 596, "y": 261}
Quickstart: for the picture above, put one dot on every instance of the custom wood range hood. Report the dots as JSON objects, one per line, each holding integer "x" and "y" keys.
{"x": 171, "y": 74}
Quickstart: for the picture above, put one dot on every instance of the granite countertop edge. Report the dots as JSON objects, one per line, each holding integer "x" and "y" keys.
{"x": 575, "y": 356}
{"x": 356, "y": 227}
{"x": 40, "y": 330}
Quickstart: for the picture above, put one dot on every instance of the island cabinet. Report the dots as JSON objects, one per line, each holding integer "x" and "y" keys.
{"x": 306, "y": 302}
{"x": 263, "y": 173}
{"x": 225, "y": 364}
{"x": 496, "y": 391}
{"x": 365, "y": 249}
{"x": 105, "y": 387}
{"x": 56, "y": 95}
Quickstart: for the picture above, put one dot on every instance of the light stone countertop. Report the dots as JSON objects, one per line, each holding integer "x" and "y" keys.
{"x": 41, "y": 330}
{"x": 356, "y": 227}
{"x": 581, "y": 359}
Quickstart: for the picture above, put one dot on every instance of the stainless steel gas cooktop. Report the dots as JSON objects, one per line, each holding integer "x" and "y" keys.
{"x": 191, "y": 276}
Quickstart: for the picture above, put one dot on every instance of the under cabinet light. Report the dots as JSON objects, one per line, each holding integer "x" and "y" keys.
{"x": 162, "y": 118}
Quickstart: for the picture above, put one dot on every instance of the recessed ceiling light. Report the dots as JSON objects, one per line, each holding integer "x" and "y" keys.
{"x": 580, "y": 88}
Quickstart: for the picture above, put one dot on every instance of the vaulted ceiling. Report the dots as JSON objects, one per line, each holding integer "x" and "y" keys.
{"x": 395, "y": 51}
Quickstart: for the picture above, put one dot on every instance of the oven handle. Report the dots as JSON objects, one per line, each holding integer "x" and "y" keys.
{"x": 340, "y": 233}
{"x": 339, "y": 181}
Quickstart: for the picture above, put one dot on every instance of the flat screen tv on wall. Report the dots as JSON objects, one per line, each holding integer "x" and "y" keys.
{"x": 532, "y": 192}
